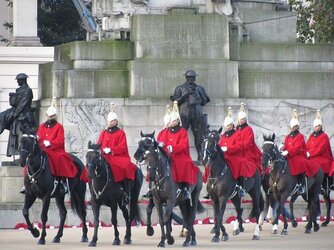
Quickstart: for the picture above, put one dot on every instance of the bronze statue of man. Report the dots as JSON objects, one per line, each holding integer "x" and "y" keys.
{"x": 18, "y": 119}
{"x": 191, "y": 98}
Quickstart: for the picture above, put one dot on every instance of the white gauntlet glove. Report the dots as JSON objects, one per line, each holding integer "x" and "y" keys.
{"x": 281, "y": 147}
{"x": 308, "y": 154}
{"x": 170, "y": 148}
{"x": 107, "y": 150}
{"x": 224, "y": 149}
{"x": 46, "y": 143}
{"x": 161, "y": 144}
{"x": 285, "y": 153}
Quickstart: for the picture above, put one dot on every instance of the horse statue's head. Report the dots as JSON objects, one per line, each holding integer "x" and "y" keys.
{"x": 94, "y": 159}
{"x": 270, "y": 151}
{"x": 146, "y": 143}
{"x": 210, "y": 146}
{"x": 28, "y": 148}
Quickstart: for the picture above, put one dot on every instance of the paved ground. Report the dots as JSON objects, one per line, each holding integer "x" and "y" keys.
{"x": 22, "y": 239}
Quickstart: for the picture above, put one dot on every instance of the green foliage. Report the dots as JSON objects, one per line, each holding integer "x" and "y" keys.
{"x": 59, "y": 22}
{"x": 315, "y": 20}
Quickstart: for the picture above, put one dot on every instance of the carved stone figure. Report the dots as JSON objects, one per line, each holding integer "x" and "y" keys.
{"x": 191, "y": 98}
{"x": 19, "y": 118}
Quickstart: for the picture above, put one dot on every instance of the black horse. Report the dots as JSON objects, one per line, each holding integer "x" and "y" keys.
{"x": 326, "y": 184}
{"x": 40, "y": 183}
{"x": 105, "y": 191}
{"x": 283, "y": 185}
{"x": 164, "y": 190}
{"x": 221, "y": 187}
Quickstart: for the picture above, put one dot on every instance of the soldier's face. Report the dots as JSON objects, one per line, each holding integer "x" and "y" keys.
{"x": 20, "y": 81}
{"x": 317, "y": 128}
{"x": 191, "y": 79}
{"x": 112, "y": 123}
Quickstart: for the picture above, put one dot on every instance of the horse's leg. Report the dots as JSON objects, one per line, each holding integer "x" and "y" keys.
{"x": 255, "y": 193}
{"x": 149, "y": 208}
{"x": 126, "y": 215}
{"x": 28, "y": 201}
{"x": 168, "y": 221}
{"x": 44, "y": 219}
{"x": 62, "y": 214}
{"x": 113, "y": 210}
{"x": 223, "y": 203}
{"x": 294, "y": 223}
{"x": 238, "y": 227}
{"x": 160, "y": 213}
{"x": 326, "y": 184}
{"x": 96, "y": 212}
{"x": 218, "y": 220}
{"x": 184, "y": 207}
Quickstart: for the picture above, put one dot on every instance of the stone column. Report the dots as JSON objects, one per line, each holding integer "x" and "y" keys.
{"x": 25, "y": 23}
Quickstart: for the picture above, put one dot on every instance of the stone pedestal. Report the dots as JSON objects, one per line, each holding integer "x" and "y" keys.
{"x": 11, "y": 182}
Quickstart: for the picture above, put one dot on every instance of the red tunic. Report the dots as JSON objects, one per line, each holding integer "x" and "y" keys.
{"x": 119, "y": 158}
{"x": 295, "y": 144}
{"x": 183, "y": 168}
{"x": 251, "y": 151}
{"x": 240, "y": 166}
{"x": 318, "y": 146}
{"x": 61, "y": 164}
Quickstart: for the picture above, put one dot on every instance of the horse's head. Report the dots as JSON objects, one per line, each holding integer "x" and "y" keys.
{"x": 209, "y": 147}
{"x": 94, "y": 159}
{"x": 269, "y": 151}
{"x": 146, "y": 143}
{"x": 28, "y": 147}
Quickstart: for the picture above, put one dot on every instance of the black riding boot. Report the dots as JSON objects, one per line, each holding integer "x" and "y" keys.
{"x": 301, "y": 184}
{"x": 149, "y": 194}
{"x": 125, "y": 192}
{"x": 186, "y": 193}
{"x": 241, "y": 184}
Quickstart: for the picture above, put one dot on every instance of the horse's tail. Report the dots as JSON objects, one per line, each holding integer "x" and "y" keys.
{"x": 134, "y": 207}
{"x": 78, "y": 193}
{"x": 260, "y": 209}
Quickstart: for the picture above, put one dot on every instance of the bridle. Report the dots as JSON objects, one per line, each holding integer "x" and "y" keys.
{"x": 101, "y": 162}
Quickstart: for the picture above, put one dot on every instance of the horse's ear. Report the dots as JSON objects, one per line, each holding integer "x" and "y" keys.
{"x": 89, "y": 144}
{"x": 153, "y": 133}
{"x": 273, "y": 137}
{"x": 220, "y": 130}
{"x": 141, "y": 133}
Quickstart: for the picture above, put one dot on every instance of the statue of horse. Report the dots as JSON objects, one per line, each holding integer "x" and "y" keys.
{"x": 283, "y": 185}
{"x": 104, "y": 191}
{"x": 221, "y": 187}
{"x": 164, "y": 190}
{"x": 40, "y": 183}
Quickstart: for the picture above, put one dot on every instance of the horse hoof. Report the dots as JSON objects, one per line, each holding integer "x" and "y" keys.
{"x": 225, "y": 238}
{"x": 236, "y": 232}
{"x": 186, "y": 244}
{"x": 307, "y": 230}
{"x": 294, "y": 223}
{"x": 41, "y": 242}
{"x": 149, "y": 231}
{"x": 92, "y": 244}
{"x": 127, "y": 241}
{"x": 275, "y": 231}
{"x": 184, "y": 232}
{"x": 193, "y": 243}
{"x": 215, "y": 239}
{"x": 161, "y": 244}
{"x": 35, "y": 232}
{"x": 284, "y": 232}
{"x": 260, "y": 227}
{"x": 256, "y": 237}
{"x": 56, "y": 240}
{"x": 84, "y": 239}
{"x": 316, "y": 227}
{"x": 324, "y": 224}
{"x": 241, "y": 229}
{"x": 170, "y": 240}
{"x": 117, "y": 242}
{"x": 213, "y": 230}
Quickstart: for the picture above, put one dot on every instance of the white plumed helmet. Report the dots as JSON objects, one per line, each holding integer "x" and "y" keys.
{"x": 294, "y": 120}
{"x": 317, "y": 121}
{"x": 52, "y": 111}
{"x": 242, "y": 113}
{"x": 167, "y": 117}
{"x": 175, "y": 113}
{"x": 228, "y": 120}
{"x": 112, "y": 115}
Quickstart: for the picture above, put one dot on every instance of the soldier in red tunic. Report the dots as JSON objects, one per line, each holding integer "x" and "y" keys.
{"x": 319, "y": 148}
{"x": 294, "y": 149}
{"x": 112, "y": 141}
{"x": 232, "y": 147}
{"x": 176, "y": 142}
{"x": 251, "y": 150}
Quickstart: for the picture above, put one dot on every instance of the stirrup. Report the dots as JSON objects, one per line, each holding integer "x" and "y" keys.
{"x": 125, "y": 199}
{"x": 331, "y": 187}
{"x": 63, "y": 189}
{"x": 322, "y": 191}
{"x": 242, "y": 192}
{"x": 186, "y": 195}
{"x": 23, "y": 190}
{"x": 270, "y": 191}
{"x": 178, "y": 192}
{"x": 301, "y": 189}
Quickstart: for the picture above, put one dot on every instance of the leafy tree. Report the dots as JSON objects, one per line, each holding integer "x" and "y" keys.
{"x": 59, "y": 22}
{"x": 315, "y": 20}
